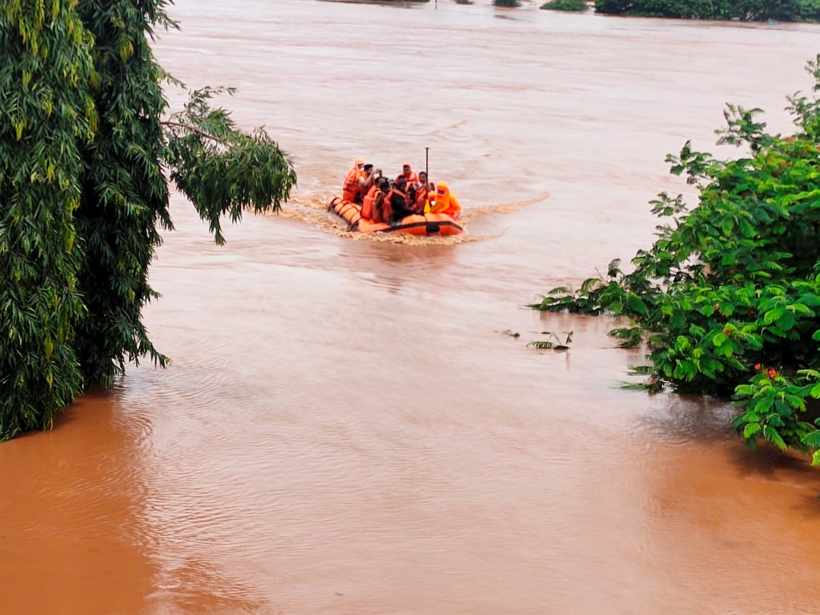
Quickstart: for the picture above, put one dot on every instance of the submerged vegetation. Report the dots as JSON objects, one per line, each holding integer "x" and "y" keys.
{"x": 743, "y": 10}
{"x": 84, "y": 152}
{"x": 565, "y": 5}
{"x": 727, "y": 299}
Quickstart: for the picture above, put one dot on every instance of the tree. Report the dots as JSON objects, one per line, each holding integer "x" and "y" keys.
{"x": 728, "y": 296}
{"x": 45, "y": 117}
{"x": 125, "y": 195}
{"x": 744, "y": 10}
{"x": 83, "y": 169}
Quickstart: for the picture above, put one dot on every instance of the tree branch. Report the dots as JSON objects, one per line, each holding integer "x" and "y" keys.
{"x": 195, "y": 130}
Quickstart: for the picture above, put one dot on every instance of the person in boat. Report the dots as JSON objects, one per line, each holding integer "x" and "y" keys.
{"x": 350, "y": 188}
{"x": 422, "y": 193}
{"x": 409, "y": 176}
{"x": 373, "y": 204}
{"x": 396, "y": 205}
{"x": 367, "y": 179}
{"x": 379, "y": 211}
{"x": 445, "y": 202}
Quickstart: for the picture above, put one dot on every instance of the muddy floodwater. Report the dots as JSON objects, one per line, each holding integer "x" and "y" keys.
{"x": 345, "y": 427}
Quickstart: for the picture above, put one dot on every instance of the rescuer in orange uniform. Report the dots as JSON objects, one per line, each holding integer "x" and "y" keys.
{"x": 445, "y": 202}
{"x": 350, "y": 188}
{"x": 373, "y": 206}
{"x": 422, "y": 193}
{"x": 409, "y": 176}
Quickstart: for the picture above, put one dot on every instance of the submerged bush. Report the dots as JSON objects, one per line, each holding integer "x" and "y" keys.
{"x": 565, "y": 5}
{"x": 728, "y": 296}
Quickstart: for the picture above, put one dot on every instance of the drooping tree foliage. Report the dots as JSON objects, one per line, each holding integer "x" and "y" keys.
{"x": 85, "y": 148}
{"x": 221, "y": 169}
{"x": 728, "y": 296}
{"x": 45, "y": 117}
{"x": 743, "y": 10}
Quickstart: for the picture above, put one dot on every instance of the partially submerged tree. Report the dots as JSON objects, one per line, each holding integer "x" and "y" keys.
{"x": 728, "y": 296}
{"x": 46, "y": 114}
{"x": 85, "y": 148}
{"x": 125, "y": 194}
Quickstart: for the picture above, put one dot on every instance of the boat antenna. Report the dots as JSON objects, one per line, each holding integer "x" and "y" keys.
{"x": 427, "y": 163}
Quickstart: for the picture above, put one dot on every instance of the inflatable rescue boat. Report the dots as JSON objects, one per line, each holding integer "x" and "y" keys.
{"x": 428, "y": 224}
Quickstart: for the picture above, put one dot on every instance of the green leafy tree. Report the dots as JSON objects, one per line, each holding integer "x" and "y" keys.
{"x": 125, "y": 195}
{"x": 125, "y": 201}
{"x": 728, "y": 296}
{"x": 86, "y": 144}
{"x": 45, "y": 116}
{"x": 744, "y": 10}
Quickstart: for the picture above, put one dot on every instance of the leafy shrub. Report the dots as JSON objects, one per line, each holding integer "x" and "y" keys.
{"x": 565, "y": 5}
{"x": 729, "y": 293}
{"x": 744, "y": 10}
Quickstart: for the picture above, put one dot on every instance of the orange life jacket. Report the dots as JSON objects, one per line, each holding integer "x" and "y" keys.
{"x": 350, "y": 189}
{"x": 369, "y": 206}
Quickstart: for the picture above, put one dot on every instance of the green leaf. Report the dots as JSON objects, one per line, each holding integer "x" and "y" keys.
{"x": 751, "y": 430}
{"x": 719, "y": 339}
{"x": 787, "y": 321}
{"x": 810, "y": 299}
{"x": 815, "y": 391}
{"x": 744, "y": 390}
{"x": 726, "y": 350}
{"x": 727, "y": 309}
{"x": 636, "y": 304}
{"x": 696, "y": 330}
{"x": 812, "y": 440}
{"x": 796, "y": 402}
{"x": 773, "y": 436}
{"x": 773, "y": 315}
{"x": 815, "y": 458}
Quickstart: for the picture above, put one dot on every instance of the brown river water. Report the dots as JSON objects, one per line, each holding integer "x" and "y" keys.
{"x": 345, "y": 427}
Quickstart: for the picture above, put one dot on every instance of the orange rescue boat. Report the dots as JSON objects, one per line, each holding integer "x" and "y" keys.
{"x": 426, "y": 225}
